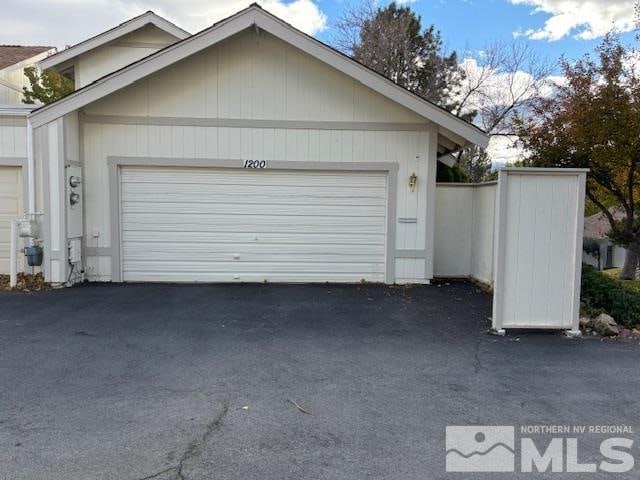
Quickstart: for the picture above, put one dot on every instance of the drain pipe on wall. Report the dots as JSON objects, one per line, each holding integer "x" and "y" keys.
{"x": 31, "y": 170}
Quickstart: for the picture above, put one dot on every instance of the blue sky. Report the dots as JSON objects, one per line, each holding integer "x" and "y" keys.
{"x": 465, "y": 24}
{"x": 470, "y": 24}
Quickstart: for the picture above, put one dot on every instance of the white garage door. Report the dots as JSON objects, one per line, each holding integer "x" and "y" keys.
{"x": 10, "y": 209}
{"x": 221, "y": 225}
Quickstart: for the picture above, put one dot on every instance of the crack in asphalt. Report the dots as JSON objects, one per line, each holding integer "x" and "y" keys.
{"x": 193, "y": 448}
{"x": 477, "y": 363}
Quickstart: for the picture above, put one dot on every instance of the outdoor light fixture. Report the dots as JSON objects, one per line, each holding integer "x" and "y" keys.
{"x": 413, "y": 180}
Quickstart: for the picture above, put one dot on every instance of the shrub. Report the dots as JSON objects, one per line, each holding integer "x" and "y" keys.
{"x": 601, "y": 293}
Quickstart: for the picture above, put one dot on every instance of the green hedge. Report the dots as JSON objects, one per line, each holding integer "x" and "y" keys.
{"x": 603, "y": 294}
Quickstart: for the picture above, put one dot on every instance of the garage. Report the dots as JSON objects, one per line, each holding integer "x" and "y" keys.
{"x": 10, "y": 209}
{"x": 252, "y": 225}
{"x": 249, "y": 152}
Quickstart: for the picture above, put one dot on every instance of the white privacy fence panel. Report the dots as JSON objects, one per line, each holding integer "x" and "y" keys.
{"x": 538, "y": 248}
{"x": 464, "y": 230}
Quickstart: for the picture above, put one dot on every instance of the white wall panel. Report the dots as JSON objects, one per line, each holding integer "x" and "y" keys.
{"x": 464, "y": 231}
{"x": 11, "y": 207}
{"x": 539, "y": 249}
{"x": 483, "y": 232}
{"x": 253, "y": 76}
{"x": 13, "y": 136}
{"x": 108, "y": 58}
{"x": 453, "y": 231}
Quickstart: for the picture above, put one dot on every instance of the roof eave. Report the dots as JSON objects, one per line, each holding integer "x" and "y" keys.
{"x": 462, "y": 133}
{"x": 113, "y": 34}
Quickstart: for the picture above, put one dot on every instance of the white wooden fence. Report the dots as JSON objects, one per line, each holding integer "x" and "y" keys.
{"x": 523, "y": 235}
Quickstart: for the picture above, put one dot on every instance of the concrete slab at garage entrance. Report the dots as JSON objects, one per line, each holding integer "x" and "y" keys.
{"x": 193, "y": 381}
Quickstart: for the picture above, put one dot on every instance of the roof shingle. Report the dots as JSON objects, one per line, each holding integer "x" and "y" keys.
{"x": 12, "y": 54}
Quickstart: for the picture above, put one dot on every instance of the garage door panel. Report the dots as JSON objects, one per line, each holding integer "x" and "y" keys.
{"x": 276, "y": 210}
{"x": 233, "y": 222}
{"x": 236, "y": 178}
{"x": 259, "y": 252}
{"x": 260, "y": 268}
{"x": 273, "y": 277}
{"x": 191, "y": 224}
{"x": 240, "y": 238}
{"x": 10, "y": 209}
{"x": 214, "y": 200}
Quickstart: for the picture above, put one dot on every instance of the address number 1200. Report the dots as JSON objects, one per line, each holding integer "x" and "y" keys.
{"x": 255, "y": 164}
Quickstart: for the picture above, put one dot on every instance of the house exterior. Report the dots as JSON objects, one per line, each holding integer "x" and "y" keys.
{"x": 13, "y": 139}
{"x": 83, "y": 63}
{"x": 109, "y": 51}
{"x": 597, "y": 227}
{"x": 246, "y": 152}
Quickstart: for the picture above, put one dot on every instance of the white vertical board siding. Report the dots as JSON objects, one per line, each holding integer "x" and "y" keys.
{"x": 10, "y": 208}
{"x": 253, "y": 76}
{"x": 215, "y": 224}
{"x": 13, "y": 137}
{"x": 453, "y": 230}
{"x": 538, "y": 249}
{"x": 464, "y": 231}
{"x": 127, "y": 49}
{"x": 483, "y": 232}
{"x": 13, "y": 150}
{"x": 10, "y": 95}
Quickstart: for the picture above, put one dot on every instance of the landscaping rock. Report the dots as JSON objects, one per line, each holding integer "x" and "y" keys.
{"x": 606, "y": 326}
{"x": 586, "y": 322}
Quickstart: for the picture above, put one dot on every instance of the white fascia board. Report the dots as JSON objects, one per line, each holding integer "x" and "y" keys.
{"x": 448, "y": 160}
{"x": 255, "y": 16}
{"x": 111, "y": 35}
{"x": 17, "y": 110}
{"x": 543, "y": 170}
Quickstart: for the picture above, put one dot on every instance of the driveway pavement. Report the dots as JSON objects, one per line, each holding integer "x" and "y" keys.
{"x": 199, "y": 382}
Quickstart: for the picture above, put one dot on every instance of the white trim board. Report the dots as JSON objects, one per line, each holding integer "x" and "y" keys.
{"x": 113, "y": 34}
{"x": 254, "y": 123}
{"x": 17, "y": 110}
{"x": 451, "y": 126}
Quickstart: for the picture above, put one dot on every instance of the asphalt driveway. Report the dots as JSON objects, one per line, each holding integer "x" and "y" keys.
{"x": 199, "y": 382}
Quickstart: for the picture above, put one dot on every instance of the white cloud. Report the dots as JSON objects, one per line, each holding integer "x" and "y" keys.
{"x": 503, "y": 151}
{"x": 65, "y": 22}
{"x": 584, "y": 19}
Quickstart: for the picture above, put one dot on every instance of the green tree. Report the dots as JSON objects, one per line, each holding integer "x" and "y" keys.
{"x": 475, "y": 163}
{"x": 391, "y": 41}
{"x": 593, "y": 121}
{"x": 46, "y": 87}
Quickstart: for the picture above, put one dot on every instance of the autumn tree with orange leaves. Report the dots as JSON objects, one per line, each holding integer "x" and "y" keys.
{"x": 593, "y": 121}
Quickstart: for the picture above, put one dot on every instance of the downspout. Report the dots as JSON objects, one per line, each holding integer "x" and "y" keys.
{"x": 31, "y": 171}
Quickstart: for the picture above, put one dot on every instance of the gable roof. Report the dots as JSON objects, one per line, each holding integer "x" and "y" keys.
{"x": 598, "y": 226}
{"x": 114, "y": 33}
{"x": 15, "y": 54}
{"x": 460, "y": 132}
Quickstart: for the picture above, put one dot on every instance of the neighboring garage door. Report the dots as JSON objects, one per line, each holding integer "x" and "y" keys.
{"x": 220, "y": 225}
{"x": 10, "y": 209}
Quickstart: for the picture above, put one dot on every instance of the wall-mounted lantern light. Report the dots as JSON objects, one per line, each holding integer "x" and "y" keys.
{"x": 413, "y": 180}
